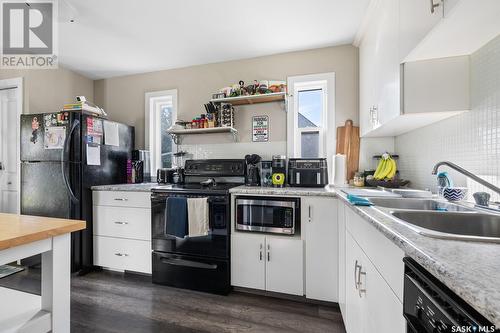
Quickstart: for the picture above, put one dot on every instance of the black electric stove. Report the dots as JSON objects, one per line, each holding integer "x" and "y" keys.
{"x": 199, "y": 263}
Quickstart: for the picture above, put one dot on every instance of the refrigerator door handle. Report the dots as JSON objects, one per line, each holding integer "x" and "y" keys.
{"x": 64, "y": 152}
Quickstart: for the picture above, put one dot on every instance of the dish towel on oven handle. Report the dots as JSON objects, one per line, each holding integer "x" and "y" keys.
{"x": 176, "y": 222}
{"x": 198, "y": 222}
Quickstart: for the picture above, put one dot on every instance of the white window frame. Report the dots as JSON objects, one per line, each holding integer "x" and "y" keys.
{"x": 154, "y": 101}
{"x": 326, "y": 82}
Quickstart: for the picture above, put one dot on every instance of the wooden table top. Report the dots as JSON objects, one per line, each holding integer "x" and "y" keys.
{"x": 17, "y": 230}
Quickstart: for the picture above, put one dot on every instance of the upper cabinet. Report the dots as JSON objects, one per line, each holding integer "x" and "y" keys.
{"x": 463, "y": 28}
{"x": 403, "y": 85}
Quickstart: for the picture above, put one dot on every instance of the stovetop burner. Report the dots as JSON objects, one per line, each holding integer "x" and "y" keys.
{"x": 208, "y": 176}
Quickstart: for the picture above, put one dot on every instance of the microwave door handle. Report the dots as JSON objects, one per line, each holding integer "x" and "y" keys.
{"x": 64, "y": 154}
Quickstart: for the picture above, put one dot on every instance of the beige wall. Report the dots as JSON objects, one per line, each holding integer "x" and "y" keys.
{"x": 46, "y": 90}
{"x": 123, "y": 97}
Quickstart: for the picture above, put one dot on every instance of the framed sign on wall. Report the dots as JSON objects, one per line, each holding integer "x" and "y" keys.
{"x": 260, "y": 128}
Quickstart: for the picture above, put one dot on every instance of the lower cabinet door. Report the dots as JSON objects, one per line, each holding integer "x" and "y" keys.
{"x": 247, "y": 261}
{"x": 284, "y": 265}
{"x": 353, "y": 316}
{"x": 383, "y": 312}
{"x": 371, "y": 305}
{"x": 122, "y": 254}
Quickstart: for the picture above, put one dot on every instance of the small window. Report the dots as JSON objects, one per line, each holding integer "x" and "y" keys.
{"x": 161, "y": 114}
{"x": 310, "y": 110}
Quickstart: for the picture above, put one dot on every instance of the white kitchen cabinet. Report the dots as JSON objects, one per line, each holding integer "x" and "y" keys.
{"x": 247, "y": 261}
{"x": 284, "y": 265}
{"x": 267, "y": 263}
{"x": 371, "y": 305}
{"x": 341, "y": 257}
{"x": 319, "y": 223}
{"x": 122, "y": 254}
{"x": 122, "y": 230}
{"x": 402, "y": 87}
{"x": 386, "y": 60}
{"x": 379, "y": 67}
{"x": 416, "y": 20}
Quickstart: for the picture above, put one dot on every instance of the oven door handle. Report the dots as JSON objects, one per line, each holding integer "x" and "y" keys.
{"x": 187, "y": 263}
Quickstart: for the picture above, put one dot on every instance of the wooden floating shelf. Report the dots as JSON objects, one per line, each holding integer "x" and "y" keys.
{"x": 203, "y": 130}
{"x": 251, "y": 99}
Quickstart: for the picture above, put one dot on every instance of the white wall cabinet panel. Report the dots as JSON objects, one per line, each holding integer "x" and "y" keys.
{"x": 319, "y": 221}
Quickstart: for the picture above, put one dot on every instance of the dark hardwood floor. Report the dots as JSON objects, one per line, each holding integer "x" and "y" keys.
{"x": 113, "y": 302}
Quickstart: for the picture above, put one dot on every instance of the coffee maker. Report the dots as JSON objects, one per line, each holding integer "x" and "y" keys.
{"x": 279, "y": 171}
{"x": 253, "y": 172}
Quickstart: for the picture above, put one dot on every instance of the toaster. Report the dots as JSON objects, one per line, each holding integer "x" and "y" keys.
{"x": 307, "y": 172}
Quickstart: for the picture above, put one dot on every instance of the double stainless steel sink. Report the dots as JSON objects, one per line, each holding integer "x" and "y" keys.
{"x": 442, "y": 219}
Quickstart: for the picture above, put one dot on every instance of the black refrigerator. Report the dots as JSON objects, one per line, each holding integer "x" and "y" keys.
{"x": 63, "y": 154}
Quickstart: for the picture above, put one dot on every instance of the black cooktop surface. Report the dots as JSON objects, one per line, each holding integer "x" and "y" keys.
{"x": 195, "y": 188}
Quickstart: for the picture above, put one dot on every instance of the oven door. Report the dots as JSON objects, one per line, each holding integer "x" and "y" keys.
{"x": 267, "y": 214}
{"x": 215, "y": 245}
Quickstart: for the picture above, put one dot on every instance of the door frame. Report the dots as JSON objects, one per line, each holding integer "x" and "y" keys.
{"x": 17, "y": 83}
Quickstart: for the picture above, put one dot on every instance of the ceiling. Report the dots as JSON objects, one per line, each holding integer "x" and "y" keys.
{"x": 121, "y": 37}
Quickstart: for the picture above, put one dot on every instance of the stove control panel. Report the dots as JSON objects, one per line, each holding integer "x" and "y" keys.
{"x": 215, "y": 168}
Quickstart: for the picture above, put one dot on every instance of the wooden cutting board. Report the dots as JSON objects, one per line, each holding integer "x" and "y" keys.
{"x": 348, "y": 144}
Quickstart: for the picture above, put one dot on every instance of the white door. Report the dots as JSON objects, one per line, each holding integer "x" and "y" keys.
{"x": 9, "y": 127}
{"x": 284, "y": 265}
{"x": 247, "y": 261}
{"x": 321, "y": 231}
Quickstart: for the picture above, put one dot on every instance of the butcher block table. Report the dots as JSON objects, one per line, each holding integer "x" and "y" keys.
{"x": 23, "y": 236}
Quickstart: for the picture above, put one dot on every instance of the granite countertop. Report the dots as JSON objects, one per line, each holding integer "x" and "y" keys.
{"x": 142, "y": 187}
{"x": 327, "y": 191}
{"x": 470, "y": 269}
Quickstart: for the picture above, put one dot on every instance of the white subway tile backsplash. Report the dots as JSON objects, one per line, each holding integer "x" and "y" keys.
{"x": 471, "y": 140}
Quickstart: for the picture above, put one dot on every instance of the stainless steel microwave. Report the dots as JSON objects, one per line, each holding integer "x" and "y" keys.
{"x": 268, "y": 214}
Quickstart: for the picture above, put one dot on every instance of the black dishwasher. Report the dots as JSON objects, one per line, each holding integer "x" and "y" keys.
{"x": 430, "y": 306}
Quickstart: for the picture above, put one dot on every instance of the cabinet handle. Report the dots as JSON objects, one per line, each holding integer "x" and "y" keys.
{"x": 361, "y": 290}
{"x": 310, "y": 213}
{"x": 121, "y": 254}
{"x": 356, "y": 283}
{"x": 121, "y": 199}
{"x": 260, "y": 253}
{"x": 434, "y": 6}
{"x": 268, "y": 252}
{"x": 121, "y": 223}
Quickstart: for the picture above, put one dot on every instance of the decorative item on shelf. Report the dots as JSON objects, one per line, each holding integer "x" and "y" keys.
{"x": 219, "y": 95}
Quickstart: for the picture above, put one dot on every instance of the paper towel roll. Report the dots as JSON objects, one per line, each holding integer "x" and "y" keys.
{"x": 339, "y": 170}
